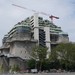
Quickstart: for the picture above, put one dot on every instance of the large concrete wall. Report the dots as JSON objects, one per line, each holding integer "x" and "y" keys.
{"x": 17, "y": 61}
{"x": 22, "y": 49}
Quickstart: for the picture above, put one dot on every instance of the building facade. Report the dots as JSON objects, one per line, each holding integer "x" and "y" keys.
{"x": 17, "y": 45}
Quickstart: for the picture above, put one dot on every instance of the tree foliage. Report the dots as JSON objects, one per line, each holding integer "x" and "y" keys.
{"x": 40, "y": 53}
{"x": 65, "y": 53}
{"x": 62, "y": 56}
{"x": 31, "y": 64}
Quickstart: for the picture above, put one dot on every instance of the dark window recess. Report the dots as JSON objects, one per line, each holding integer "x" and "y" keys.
{"x": 53, "y": 37}
{"x": 42, "y": 37}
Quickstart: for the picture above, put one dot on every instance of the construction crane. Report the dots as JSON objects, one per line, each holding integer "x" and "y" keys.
{"x": 51, "y": 17}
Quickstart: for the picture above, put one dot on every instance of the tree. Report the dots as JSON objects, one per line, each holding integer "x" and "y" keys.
{"x": 40, "y": 52}
{"x": 65, "y": 52}
{"x": 31, "y": 64}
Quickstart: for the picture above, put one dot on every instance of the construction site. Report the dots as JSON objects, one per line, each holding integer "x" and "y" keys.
{"x": 18, "y": 43}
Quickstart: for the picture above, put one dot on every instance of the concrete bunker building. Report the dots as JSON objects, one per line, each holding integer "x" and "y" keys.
{"x": 18, "y": 43}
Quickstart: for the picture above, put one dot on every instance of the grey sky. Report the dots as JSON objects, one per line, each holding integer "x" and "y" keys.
{"x": 10, "y": 15}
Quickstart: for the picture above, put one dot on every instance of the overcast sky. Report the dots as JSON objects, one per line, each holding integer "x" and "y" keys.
{"x": 64, "y": 9}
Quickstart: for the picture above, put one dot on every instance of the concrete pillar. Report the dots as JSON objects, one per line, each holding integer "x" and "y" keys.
{"x": 36, "y": 27}
{"x": 47, "y": 40}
